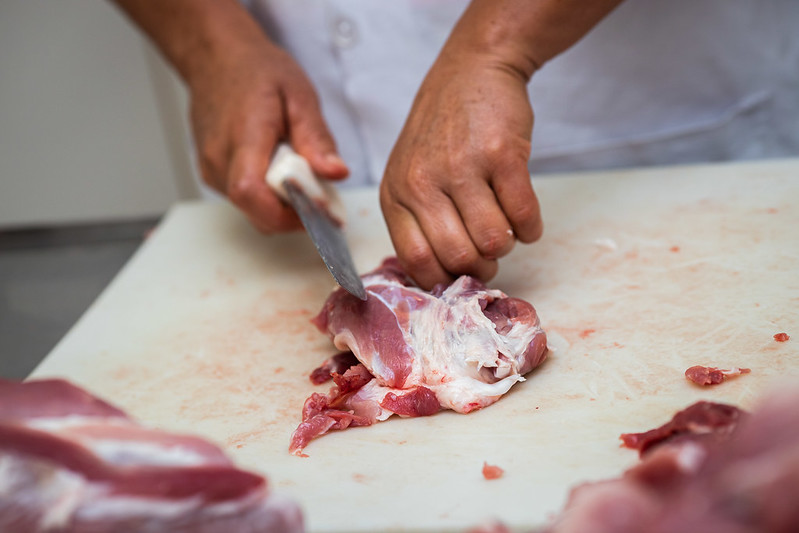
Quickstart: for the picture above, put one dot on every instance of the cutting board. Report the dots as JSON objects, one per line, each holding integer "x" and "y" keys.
{"x": 640, "y": 274}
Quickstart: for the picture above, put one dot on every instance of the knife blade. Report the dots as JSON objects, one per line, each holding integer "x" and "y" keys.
{"x": 321, "y": 212}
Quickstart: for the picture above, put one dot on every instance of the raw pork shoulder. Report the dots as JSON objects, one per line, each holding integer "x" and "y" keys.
{"x": 459, "y": 347}
{"x": 70, "y": 462}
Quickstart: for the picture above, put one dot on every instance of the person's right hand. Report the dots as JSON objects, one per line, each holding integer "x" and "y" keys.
{"x": 242, "y": 104}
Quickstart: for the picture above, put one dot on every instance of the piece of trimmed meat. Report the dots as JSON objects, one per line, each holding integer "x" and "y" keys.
{"x": 702, "y": 420}
{"x": 492, "y": 471}
{"x": 460, "y": 347}
{"x": 717, "y": 470}
{"x": 710, "y": 375}
{"x": 70, "y": 462}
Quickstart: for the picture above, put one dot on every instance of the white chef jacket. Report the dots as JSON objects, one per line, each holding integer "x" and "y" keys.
{"x": 656, "y": 82}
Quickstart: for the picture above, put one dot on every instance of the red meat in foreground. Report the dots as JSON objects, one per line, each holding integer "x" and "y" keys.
{"x": 460, "y": 347}
{"x": 70, "y": 462}
{"x": 711, "y": 469}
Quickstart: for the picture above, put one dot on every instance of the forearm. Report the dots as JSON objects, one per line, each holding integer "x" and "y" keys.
{"x": 193, "y": 34}
{"x": 524, "y": 34}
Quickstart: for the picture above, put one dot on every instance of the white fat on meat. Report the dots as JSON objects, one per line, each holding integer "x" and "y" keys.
{"x": 71, "y": 462}
{"x": 411, "y": 352}
{"x": 457, "y": 351}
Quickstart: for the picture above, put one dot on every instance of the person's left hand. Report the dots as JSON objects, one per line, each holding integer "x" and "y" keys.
{"x": 456, "y": 192}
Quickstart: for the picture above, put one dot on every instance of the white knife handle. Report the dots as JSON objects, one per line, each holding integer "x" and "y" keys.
{"x": 288, "y": 164}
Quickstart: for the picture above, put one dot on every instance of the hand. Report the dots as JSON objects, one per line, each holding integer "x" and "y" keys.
{"x": 242, "y": 105}
{"x": 456, "y": 193}
{"x": 246, "y": 96}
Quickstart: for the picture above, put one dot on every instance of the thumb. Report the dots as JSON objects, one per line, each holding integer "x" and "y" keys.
{"x": 311, "y": 138}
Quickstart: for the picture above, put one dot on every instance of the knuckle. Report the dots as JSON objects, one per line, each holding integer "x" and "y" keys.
{"x": 418, "y": 258}
{"x": 418, "y": 175}
{"x": 461, "y": 261}
{"x": 495, "y": 243}
{"x": 495, "y": 146}
{"x": 524, "y": 212}
{"x": 239, "y": 191}
{"x": 419, "y": 184}
{"x": 507, "y": 153}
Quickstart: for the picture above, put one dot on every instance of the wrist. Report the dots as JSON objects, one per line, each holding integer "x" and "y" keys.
{"x": 196, "y": 35}
{"x": 522, "y": 35}
{"x": 224, "y": 32}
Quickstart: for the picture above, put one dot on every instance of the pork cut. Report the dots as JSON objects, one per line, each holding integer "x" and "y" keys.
{"x": 699, "y": 421}
{"x": 70, "y": 462}
{"x": 460, "y": 347}
{"x": 711, "y": 469}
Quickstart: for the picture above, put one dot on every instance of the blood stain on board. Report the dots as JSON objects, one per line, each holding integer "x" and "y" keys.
{"x": 587, "y": 333}
{"x": 239, "y": 440}
{"x": 674, "y": 249}
{"x": 781, "y": 337}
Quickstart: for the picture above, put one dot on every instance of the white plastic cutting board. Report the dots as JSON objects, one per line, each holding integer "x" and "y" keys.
{"x": 640, "y": 274}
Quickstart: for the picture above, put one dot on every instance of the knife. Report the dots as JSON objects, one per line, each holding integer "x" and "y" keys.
{"x": 320, "y": 209}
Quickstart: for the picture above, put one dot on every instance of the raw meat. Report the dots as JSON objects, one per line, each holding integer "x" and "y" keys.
{"x": 710, "y": 375}
{"x": 719, "y": 472}
{"x": 70, "y": 462}
{"x": 338, "y": 364}
{"x": 460, "y": 347}
{"x": 492, "y": 471}
{"x": 702, "y": 420}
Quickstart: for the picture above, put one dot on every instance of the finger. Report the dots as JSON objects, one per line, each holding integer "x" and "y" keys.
{"x": 211, "y": 176}
{"x": 310, "y": 136}
{"x": 445, "y": 231}
{"x": 413, "y": 251}
{"x": 485, "y": 221}
{"x": 247, "y": 189}
{"x": 515, "y": 194}
{"x": 212, "y": 160}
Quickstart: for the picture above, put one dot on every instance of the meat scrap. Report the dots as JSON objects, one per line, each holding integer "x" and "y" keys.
{"x": 71, "y": 462}
{"x": 740, "y": 480}
{"x": 338, "y": 364}
{"x": 460, "y": 347}
{"x": 492, "y": 471}
{"x": 702, "y": 420}
{"x": 782, "y": 337}
{"x": 710, "y": 375}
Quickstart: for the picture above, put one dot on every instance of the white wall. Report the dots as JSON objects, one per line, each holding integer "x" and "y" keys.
{"x": 91, "y": 125}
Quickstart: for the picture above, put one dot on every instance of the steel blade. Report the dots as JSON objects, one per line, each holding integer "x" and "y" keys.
{"x": 329, "y": 240}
